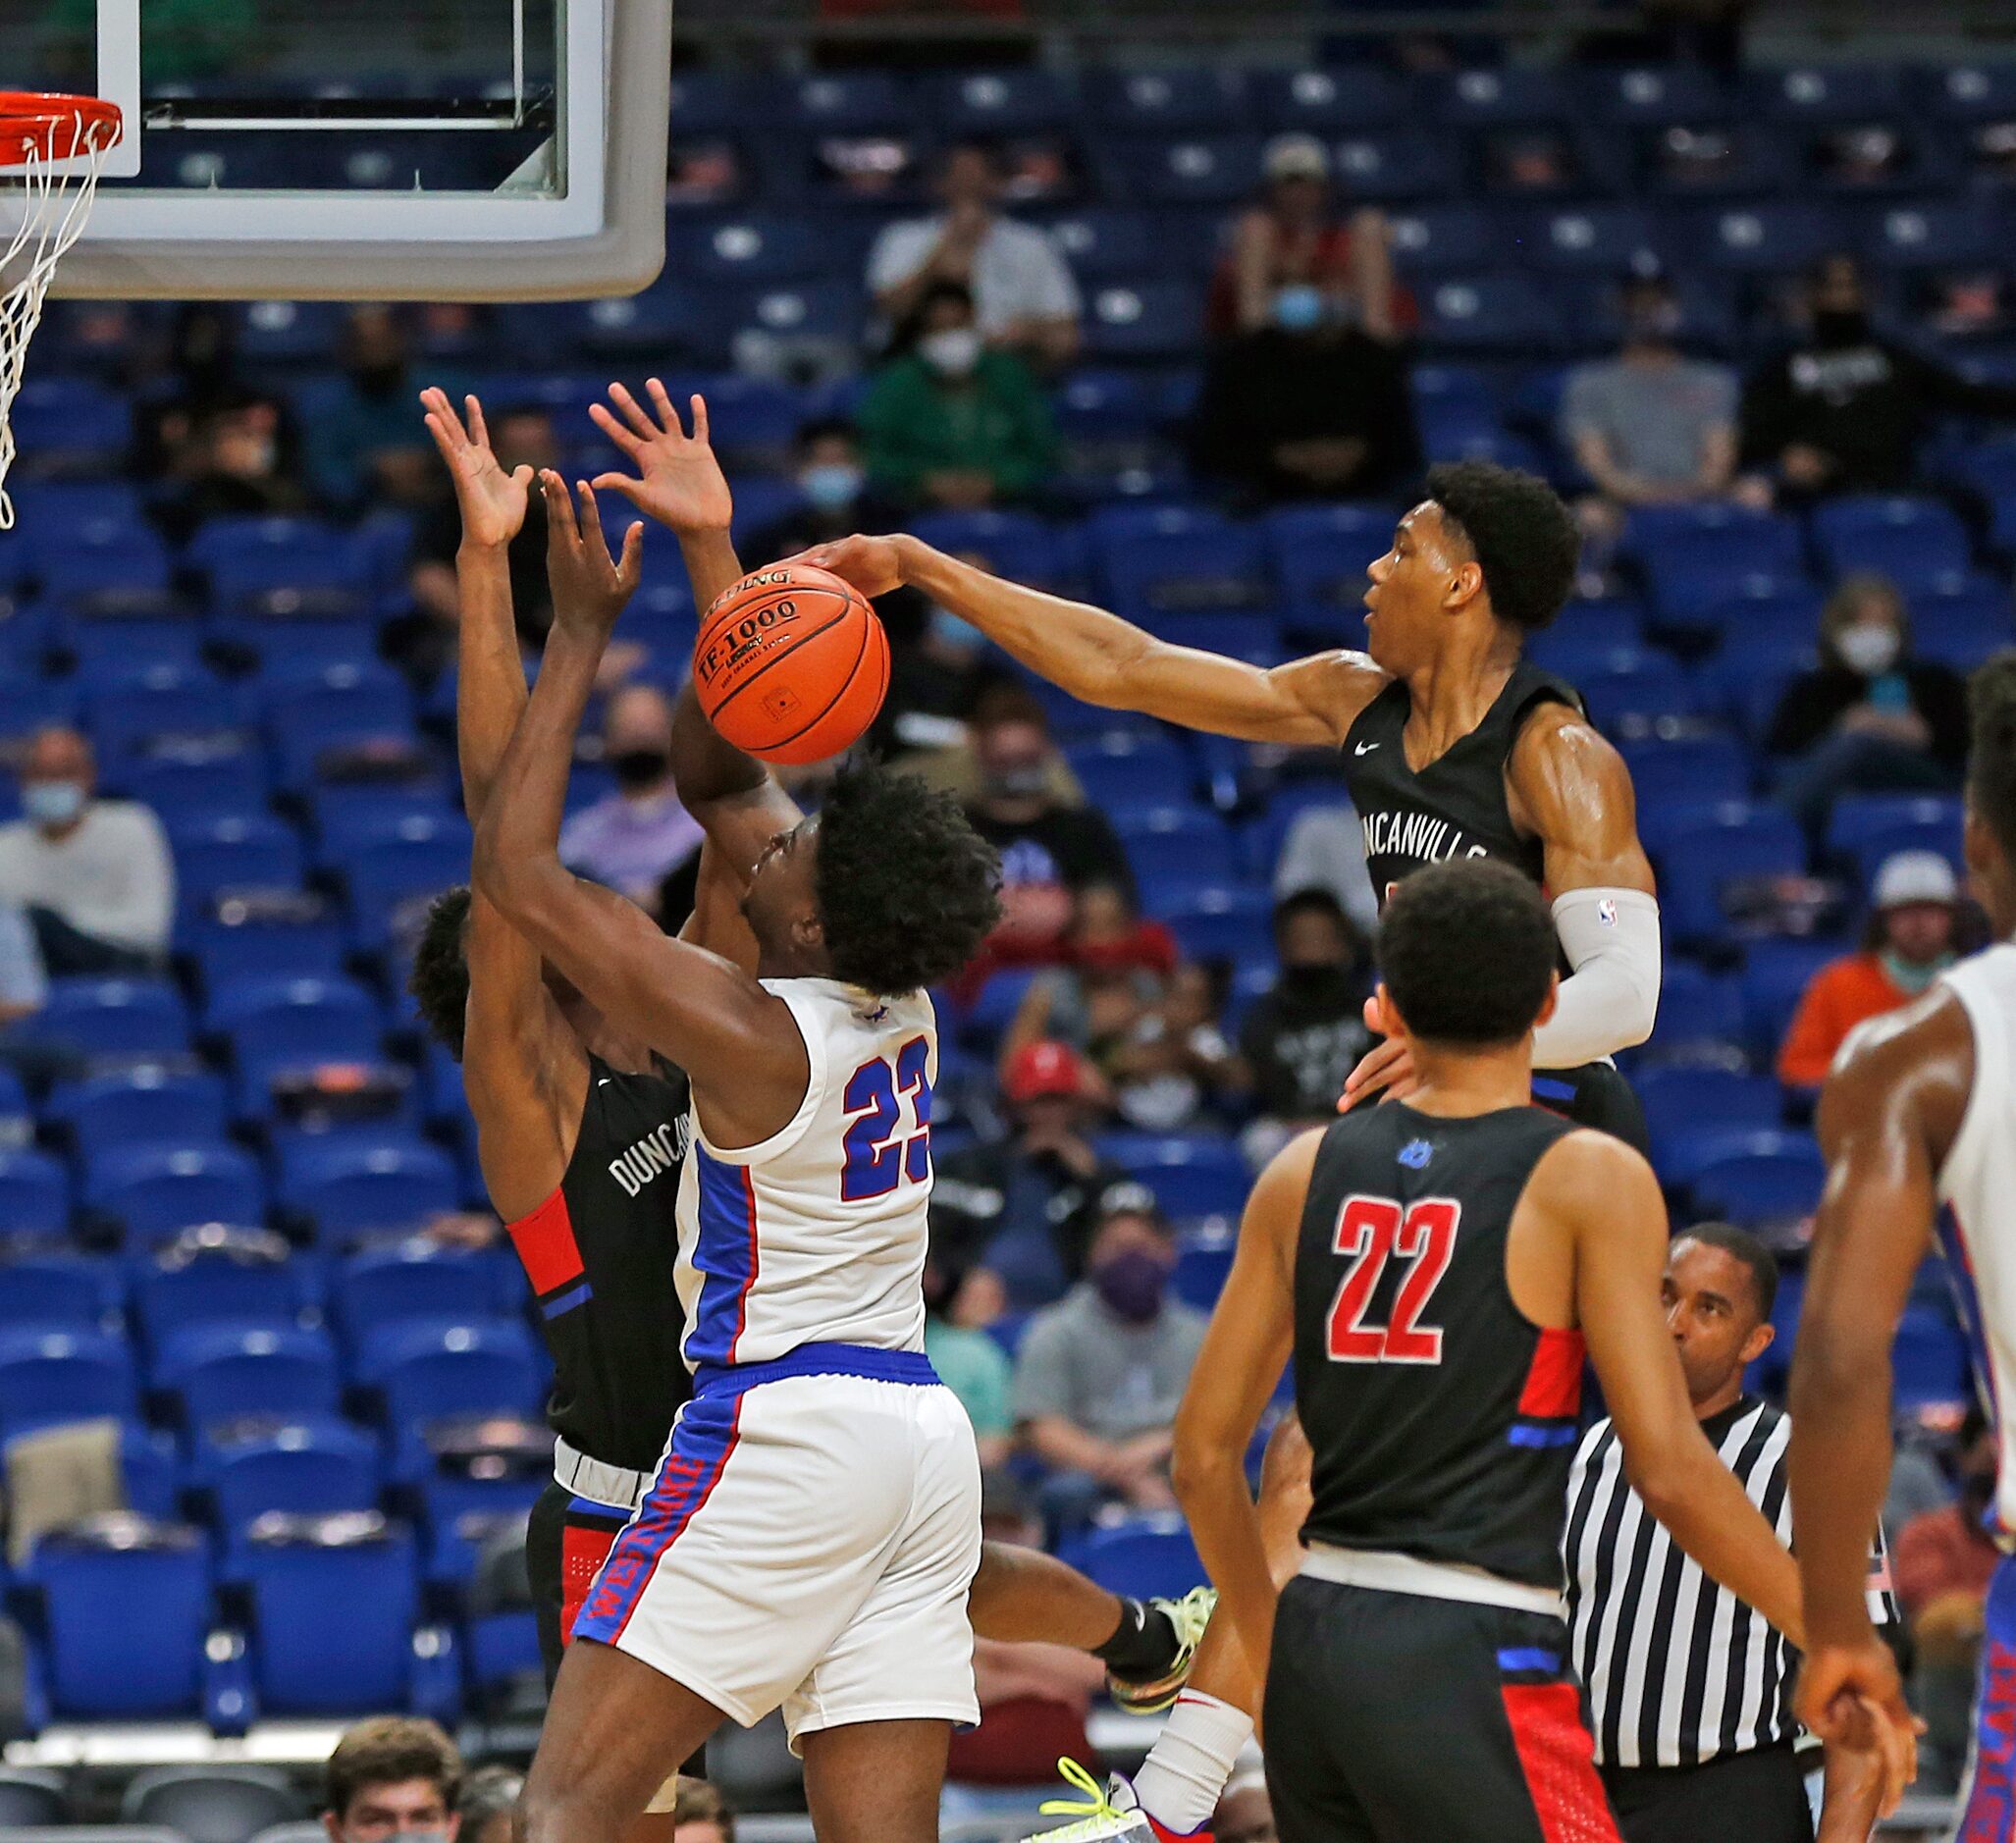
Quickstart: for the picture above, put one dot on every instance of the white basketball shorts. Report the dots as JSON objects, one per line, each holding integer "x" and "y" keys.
{"x": 808, "y": 1545}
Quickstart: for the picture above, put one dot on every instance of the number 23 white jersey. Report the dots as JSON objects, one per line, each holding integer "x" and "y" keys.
{"x": 818, "y": 1235}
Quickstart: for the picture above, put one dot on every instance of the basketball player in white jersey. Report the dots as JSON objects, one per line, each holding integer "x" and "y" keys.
{"x": 1917, "y": 1121}
{"x": 815, "y": 1525}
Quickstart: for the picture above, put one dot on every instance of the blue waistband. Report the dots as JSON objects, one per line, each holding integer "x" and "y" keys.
{"x": 816, "y": 1359}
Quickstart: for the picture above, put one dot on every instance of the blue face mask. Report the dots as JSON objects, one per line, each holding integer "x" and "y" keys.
{"x": 830, "y": 485}
{"x": 52, "y": 803}
{"x": 1298, "y": 307}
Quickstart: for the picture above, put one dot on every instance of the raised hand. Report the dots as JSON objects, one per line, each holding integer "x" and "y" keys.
{"x": 873, "y": 566}
{"x": 590, "y": 587}
{"x": 492, "y": 501}
{"x": 679, "y": 482}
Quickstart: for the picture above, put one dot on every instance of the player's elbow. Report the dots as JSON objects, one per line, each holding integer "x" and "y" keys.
{"x": 1661, "y": 1469}
{"x": 1200, "y": 1460}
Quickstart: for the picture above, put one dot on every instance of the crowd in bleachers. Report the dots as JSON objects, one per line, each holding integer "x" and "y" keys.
{"x": 1176, "y": 340}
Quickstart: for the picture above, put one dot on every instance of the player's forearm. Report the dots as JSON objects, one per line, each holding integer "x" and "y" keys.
{"x": 1063, "y": 1444}
{"x": 1224, "y": 1524}
{"x": 1837, "y": 1468}
{"x": 1697, "y": 1499}
{"x": 1851, "y": 1795}
{"x": 712, "y": 565}
{"x": 489, "y": 677}
{"x": 1610, "y": 1001}
{"x": 517, "y": 859}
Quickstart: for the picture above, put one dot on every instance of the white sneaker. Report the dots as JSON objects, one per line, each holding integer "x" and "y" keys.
{"x": 1109, "y": 1811}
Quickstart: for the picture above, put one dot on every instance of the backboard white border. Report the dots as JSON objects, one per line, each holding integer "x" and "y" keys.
{"x": 119, "y": 80}
{"x": 605, "y": 234}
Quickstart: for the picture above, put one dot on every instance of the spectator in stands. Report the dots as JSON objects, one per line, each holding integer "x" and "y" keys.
{"x": 1292, "y": 239}
{"x": 489, "y": 1796}
{"x": 1114, "y": 972}
{"x": 1049, "y": 849}
{"x": 1843, "y": 409}
{"x": 1174, "y": 1070}
{"x": 949, "y": 421}
{"x": 235, "y": 462}
{"x": 631, "y": 838}
{"x": 1021, "y": 288}
{"x": 1307, "y": 406}
{"x": 393, "y": 1776}
{"x": 1244, "y": 1814}
{"x": 1305, "y": 1035}
{"x": 1034, "y": 1699}
{"x": 969, "y": 1363}
{"x": 1100, "y": 1373}
{"x": 1870, "y": 718}
{"x": 701, "y": 1814}
{"x": 835, "y": 495}
{"x": 1325, "y": 849}
{"x": 93, "y": 877}
{"x": 202, "y": 361}
{"x": 367, "y": 441}
{"x": 23, "y": 979}
{"x": 1649, "y": 427}
{"x": 1909, "y": 940}
{"x": 1023, "y": 1208}
{"x": 424, "y": 642}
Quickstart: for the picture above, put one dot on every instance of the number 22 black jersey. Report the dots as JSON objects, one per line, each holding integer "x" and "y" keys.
{"x": 1443, "y": 1421}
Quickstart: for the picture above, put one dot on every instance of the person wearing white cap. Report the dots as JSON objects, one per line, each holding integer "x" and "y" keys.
{"x": 1291, "y": 243}
{"x": 1908, "y": 943}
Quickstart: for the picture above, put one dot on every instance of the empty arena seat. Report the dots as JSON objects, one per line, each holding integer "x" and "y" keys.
{"x": 1912, "y": 540}
{"x": 1733, "y": 842}
{"x": 232, "y": 851}
{"x": 1201, "y": 1265}
{"x": 218, "y": 1275}
{"x": 1170, "y": 558}
{"x": 157, "y": 1189}
{"x": 1149, "y": 1554}
{"x": 1000, "y": 101}
{"x": 220, "y": 1372}
{"x": 51, "y": 1376}
{"x": 304, "y": 1467}
{"x": 107, "y": 1017}
{"x": 1679, "y": 1100}
{"x": 1213, "y": 920}
{"x": 249, "y": 559}
{"x": 1196, "y": 836}
{"x": 1123, "y": 767}
{"x": 212, "y": 1803}
{"x": 1189, "y": 1175}
{"x": 420, "y": 1279}
{"x": 1929, "y": 1360}
{"x": 128, "y": 1606}
{"x": 422, "y": 858}
{"x": 144, "y": 1102}
{"x": 1501, "y": 310}
{"x": 1749, "y": 1177}
{"x": 34, "y": 1194}
{"x": 55, "y": 1289}
{"x": 429, "y": 1370}
{"x": 271, "y": 1023}
{"x": 1197, "y": 98}
{"x": 347, "y": 1183}
{"x": 1141, "y": 319}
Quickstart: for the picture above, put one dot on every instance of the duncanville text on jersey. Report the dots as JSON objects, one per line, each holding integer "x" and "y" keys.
{"x": 655, "y": 1152}
{"x": 1418, "y": 835}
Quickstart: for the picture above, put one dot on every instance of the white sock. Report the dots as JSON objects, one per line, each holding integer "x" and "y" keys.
{"x": 1188, "y": 1768}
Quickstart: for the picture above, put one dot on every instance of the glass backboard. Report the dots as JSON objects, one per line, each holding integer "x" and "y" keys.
{"x": 480, "y": 149}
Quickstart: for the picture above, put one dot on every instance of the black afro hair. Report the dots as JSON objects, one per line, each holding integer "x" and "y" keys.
{"x": 1519, "y": 530}
{"x": 440, "y": 979}
{"x": 1467, "y": 949}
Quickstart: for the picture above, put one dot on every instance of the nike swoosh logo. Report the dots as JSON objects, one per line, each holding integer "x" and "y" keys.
{"x": 602, "y": 1083}
{"x": 1364, "y": 748}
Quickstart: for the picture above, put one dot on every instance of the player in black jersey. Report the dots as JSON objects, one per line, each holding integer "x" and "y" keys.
{"x": 582, "y": 1133}
{"x": 1433, "y": 1267}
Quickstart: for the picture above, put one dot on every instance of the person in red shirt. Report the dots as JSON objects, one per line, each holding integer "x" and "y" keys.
{"x": 1910, "y": 938}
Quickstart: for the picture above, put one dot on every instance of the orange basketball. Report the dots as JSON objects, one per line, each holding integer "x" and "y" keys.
{"x": 791, "y": 663}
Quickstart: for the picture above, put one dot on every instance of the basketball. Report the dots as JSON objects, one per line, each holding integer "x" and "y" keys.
{"x": 791, "y": 663}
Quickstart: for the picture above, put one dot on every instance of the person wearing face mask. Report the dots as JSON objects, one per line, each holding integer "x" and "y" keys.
{"x": 631, "y": 838}
{"x": 1649, "y": 427}
{"x": 1843, "y": 409}
{"x": 367, "y": 442}
{"x": 1908, "y": 944}
{"x": 1100, "y": 1373}
{"x": 393, "y": 1779}
{"x": 950, "y": 422}
{"x": 1871, "y": 717}
{"x": 94, "y": 877}
{"x": 1310, "y": 405}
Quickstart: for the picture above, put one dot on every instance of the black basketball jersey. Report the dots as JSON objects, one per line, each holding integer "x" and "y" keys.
{"x": 599, "y": 1254}
{"x": 1442, "y": 1420}
{"x": 1455, "y": 807}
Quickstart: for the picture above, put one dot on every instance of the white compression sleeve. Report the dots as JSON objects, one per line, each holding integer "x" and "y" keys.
{"x": 1610, "y": 938}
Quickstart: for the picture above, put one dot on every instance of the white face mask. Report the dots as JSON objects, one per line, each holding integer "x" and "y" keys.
{"x": 52, "y": 803}
{"x": 1867, "y": 649}
{"x": 954, "y": 351}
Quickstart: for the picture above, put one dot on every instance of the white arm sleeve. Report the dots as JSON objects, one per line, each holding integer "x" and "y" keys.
{"x": 1610, "y": 938}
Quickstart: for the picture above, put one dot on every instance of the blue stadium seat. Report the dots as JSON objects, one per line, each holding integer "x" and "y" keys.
{"x": 155, "y": 700}
{"x": 147, "y": 1101}
{"x": 1201, "y": 1266}
{"x": 1959, "y": 621}
{"x": 240, "y": 1279}
{"x": 1212, "y": 921}
{"x": 156, "y": 1190}
{"x": 1321, "y": 552}
{"x": 827, "y": 309}
{"x": 1970, "y": 91}
{"x": 56, "y": 1289}
{"x": 1170, "y": 558}
{"x": 99, "y": 558}
{"x": 1333, "y": 100}
{"x": 1143, "y": 319}
{"x": 1163, "y": 833}
{"x": 34, "y": 1194}
{"x": 1143, "y": 1556}
{"x": 852, "y": 102}
{"x": 288, "y": 332}
{"x": 240, "y": 940}
{"x": 1856, "y": 817}
{"x": 1125, "y": 767}
{"x": 1912, "y": 540}
{"x": 1679, "y": 1100}
{"x": 73, "y": 421}
{"x": 1396, "y": 163}
{"x": 1737, "y": 159}
{"x": 224, "y": 1372}
{"x": 1606, "y": 239}
{"x": 1929, "y": 1360}
{"x": 1930, "y": 234}
{"x": 1428, "y": 238}
{"x": 1201, "y": 98}
{"x": 1848, "y": 94}
{"x": 247, "y": 558}
{"x": 128, "y": 1606}
{"x": 274, "y": 1023}
{"x": 51, "y": 1376}
{"x": 1698, "y": 1011}
{"x": 1638, "y": 685}
{"x": 1775, "y": 973}
{"x": 1749, "y": 609}
{"x": 760, "y": 248}
{"x": 1713, "y": 535}
{"x": 1001, "y": 101}
{"x": 228, "y": 775}
{"x": 349, "y": 1183}
{"x": 1766, "y": 237}
{"x": 1214, "y": 170}
{"x": 1748, "y": 1176}
{"x": 1687, "y": 768}
{"x": 500, "y": 1649}
{"x": 334, "y": 1609}
{"x": 420, "y": 1279}
{"x": 983, "y": 1021}
{"x": 233, "y": 850}
{"x": 1512, "y": 94}
{"x": 305, "y": 1467}
{"x": 1735, "y": 841}
{"x": 1931, "y": 825}
{"x": 429, "y": 1370}
{"x": 421, "y": 858}
{"x": 357, "y": 699}
{"x": 1499, "y": 311}
{"x": 1655, "y": 94}
{"x": 1190, "y": 1175}
{"x": 97, "y": 1016}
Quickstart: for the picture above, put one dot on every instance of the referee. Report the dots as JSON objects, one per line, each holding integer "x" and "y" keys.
{"x": 1690, "y": 1692}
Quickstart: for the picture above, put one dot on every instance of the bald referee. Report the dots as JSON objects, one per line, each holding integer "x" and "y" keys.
{"x": 1689, "y": 1691}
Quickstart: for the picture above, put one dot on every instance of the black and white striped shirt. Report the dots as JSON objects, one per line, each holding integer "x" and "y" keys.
{"x": 1677, "y": 1669}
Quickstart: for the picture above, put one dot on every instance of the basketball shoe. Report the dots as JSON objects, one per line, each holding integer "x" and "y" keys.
{"x": 1191, "y": 1617}
{"x": 1110, "y": 1813}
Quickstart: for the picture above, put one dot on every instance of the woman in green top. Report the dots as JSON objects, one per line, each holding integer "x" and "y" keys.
{"x": 949, "y": 422}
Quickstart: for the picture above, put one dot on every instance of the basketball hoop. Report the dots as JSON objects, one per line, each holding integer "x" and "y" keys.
{"x": 57, "y": 144}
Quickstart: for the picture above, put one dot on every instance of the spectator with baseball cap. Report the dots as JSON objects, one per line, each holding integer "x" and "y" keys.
{"x": 1023, "y": 1207}
{"x": 1909, "y": 940}
{"x": 1293, "y": 239}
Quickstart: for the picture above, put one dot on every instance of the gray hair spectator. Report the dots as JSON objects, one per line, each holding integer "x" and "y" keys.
{"x": 1023, "y": 293}
{"x": 629, "y": 839}
{"x": 93, "y": 877}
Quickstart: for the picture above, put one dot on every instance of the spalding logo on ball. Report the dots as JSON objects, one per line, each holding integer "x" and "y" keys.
{"x": 791, "y": 663}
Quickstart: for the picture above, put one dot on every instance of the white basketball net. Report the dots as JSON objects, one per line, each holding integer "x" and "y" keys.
{"x": 55, "y": 193}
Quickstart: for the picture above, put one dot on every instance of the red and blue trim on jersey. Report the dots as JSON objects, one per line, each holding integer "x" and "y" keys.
{"x": 552, "y": 1257}
{"x": 725, "y": 1256}
{"x": 1990, "y": 1815}
{"x": 1551, "y": 1398}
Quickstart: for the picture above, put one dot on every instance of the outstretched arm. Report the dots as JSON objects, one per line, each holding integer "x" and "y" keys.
{"x": 1888, "y": 1115}
{"x": 1105, "y": 660}
{"x": 1251, "y": 1335}
{"x": 737, "y": 1041}
{"x": 523, "y": 1069}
